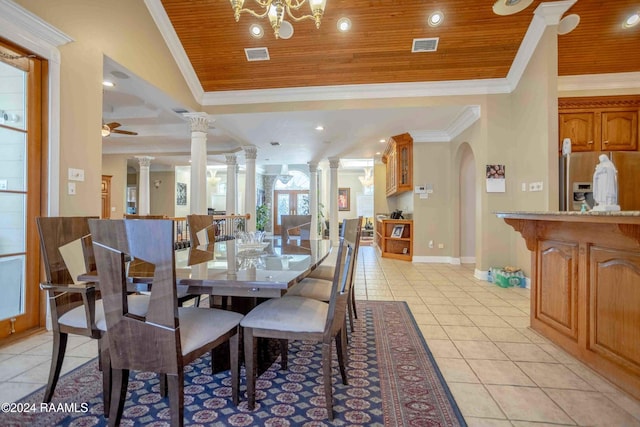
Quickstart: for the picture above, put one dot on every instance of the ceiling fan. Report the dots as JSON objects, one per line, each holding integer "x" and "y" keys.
{"x": 109, "y": 128}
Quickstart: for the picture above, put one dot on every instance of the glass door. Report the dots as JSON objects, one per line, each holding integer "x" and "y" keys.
{"x": 289, "y": 202}
{"x": 20, "y": 164}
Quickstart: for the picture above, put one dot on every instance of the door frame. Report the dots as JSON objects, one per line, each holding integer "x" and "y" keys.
{"x": 293, "y": 198}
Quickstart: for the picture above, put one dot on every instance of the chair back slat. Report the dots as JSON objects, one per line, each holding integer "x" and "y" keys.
{"x": 148, "y": 343}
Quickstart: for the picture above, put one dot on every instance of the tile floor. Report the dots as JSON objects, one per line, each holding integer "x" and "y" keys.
{"x": 500, "y": 372}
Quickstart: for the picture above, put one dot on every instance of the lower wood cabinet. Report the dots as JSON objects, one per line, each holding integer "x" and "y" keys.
{"x": 585, "y": 288}
{"x": 394, "y": 238}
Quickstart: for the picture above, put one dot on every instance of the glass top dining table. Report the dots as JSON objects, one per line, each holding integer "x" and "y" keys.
{"x": 230, "y": 268}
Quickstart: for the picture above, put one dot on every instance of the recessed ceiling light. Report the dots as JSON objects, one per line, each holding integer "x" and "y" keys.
{"x": 108, "y": 83}
{"x": 383, "y": 140}
{"x": 631, "y": 21}
{"x": 344, "y": 24}
{"x": 436, "y": 18}
{"x": 378, "y": 153}
{"x": 319, "y": 127}
{"x": 256, "y": 31}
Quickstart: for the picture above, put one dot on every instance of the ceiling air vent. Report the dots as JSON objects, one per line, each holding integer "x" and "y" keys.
{"x": 257, "y": 54}
{"x": 425, "y": 45}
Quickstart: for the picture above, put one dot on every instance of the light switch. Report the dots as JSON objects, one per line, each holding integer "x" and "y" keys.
{"x": 72, "y": 188}
{"x": 76, "y": 174}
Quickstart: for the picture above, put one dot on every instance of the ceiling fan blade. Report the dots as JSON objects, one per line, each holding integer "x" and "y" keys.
{"x": 113, "y": 125}
{"x": 124, "y": 132}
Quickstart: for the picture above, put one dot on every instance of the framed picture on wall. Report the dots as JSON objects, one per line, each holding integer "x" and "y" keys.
{"x": 344, "y": 199}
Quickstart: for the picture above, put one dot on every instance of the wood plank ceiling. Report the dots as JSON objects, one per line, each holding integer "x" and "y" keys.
{"x": 474, "y": 43}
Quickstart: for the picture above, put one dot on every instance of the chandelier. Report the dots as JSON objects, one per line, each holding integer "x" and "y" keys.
{"x": 367, "y": 179}
{"x": 274, "y": 10}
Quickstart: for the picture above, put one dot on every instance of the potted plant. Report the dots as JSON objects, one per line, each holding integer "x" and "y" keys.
{"x": 262, "y": 216}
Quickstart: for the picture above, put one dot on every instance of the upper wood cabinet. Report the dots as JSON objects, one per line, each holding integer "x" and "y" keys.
{"x": 599, "y": 123}
{"x": 398, "y": 158}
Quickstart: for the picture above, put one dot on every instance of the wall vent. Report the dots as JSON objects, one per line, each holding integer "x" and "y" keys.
{"x": 257, "y": 54}
{"x": 425, "y": 45}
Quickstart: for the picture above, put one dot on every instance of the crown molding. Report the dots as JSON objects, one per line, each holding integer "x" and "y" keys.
{"x": 30, "y": 31}
{"x": 170, "y": 37}
{"x": 599, "y": 82}
{"x": 466, "y": 118}
{"x": 545, "y": 14}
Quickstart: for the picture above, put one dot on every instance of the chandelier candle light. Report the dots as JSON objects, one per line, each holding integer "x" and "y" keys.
{"x": 274, "y": 10}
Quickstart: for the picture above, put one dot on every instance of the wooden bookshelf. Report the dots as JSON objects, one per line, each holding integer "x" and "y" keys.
{"x": 394, "y": 238}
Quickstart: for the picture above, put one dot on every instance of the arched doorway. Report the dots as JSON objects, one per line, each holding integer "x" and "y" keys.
{"x": 467, "y": 205}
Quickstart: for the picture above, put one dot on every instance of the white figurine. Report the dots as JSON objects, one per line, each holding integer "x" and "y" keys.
{"x": 605, "y": 186}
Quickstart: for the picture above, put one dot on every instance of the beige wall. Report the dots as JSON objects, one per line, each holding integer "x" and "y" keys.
{"x": 124, "y": 31}
{"x": 116, "y": 166}
{"x": 162, "y": 199}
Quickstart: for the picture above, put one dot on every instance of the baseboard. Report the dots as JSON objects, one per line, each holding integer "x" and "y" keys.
{"x": 481, "y": 274}
{"x": 437, "y": 260}
{"x": 468, "y": 260}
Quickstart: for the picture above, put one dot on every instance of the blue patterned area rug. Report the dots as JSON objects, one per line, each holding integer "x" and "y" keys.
{"x": 393, "y": 381}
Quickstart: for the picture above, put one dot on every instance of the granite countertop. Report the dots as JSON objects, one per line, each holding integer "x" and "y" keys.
{"x": 572, "y": 213}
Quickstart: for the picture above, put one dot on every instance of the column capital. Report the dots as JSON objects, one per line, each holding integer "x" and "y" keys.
{"x": 250, "y": 152}
{"x": 232, "y": 159}
{"x": 199, "y": 121}
{"x": 313, "y": 167}
{"x": 334, "y": 162}
{"x": 144, "y": 161}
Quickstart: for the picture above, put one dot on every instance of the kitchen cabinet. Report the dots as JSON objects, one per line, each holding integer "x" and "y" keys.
{"x": 599, "y": 123}
{"x": 398, "y": 158}
{"x": 394, "y": 238}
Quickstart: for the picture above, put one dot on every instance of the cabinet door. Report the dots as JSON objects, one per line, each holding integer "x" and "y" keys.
{"x": 620, "y": 130}
{"x": 580, "y": 127}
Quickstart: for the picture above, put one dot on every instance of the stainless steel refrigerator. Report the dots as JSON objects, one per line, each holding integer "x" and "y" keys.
{"x": 576, "y": 179}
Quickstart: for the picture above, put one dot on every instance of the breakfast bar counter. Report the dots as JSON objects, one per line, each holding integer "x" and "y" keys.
{"x": 585, "y": 286}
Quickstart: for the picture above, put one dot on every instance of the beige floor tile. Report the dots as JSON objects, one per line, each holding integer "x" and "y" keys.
{"x": 456, "y": 370}
{"x": 464, "y": 333}
{"x": 517, "y": 321}
{"x": 503, "y": 372}
{"x": 40, "y": 374}
{"x": 553, "y": 375}
{"x": 589, "y": 408}
{"x": 433, "y": 332}
{"x": 595, "y": 380}
{"x": 528, "y": 404}
{"x": 18, "y": 364}
{"x": 477, "y": 310}
{"x": 504, "y": 334}
{"x": 516, "y": 423}
{"x": 425, "y": 319}
{"x": 26, "y": 344}
{"x": 12, "y": 392}
{"x": 486, "y": 422}
{"x": 557, "y": 353}
{"x": 533, "y": 336}
{"x": 443, "y": 348}
{"x": 431, "y": 300}
{"x": 626, "y": 402}
{"x": 474, "y": 401}
{"x": 524, "y": 352}
{"x": 492, "y": 320}
{"x": 507, "y": 311}
{"x": 89, "y": 349}
{"x": 443, "y": 308}
{"x": 480, "y": 350}
{"x": 453, "y": 319}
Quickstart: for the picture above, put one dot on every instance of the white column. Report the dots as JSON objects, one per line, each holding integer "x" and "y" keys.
{"x": 232, "y": 190}
{"x": 313, "y": 198}
{"x": 334, "y": 163}
{"x": 250, "y": 154}
{"x": 143, "y": 196}
{"x": 198, "y": 193}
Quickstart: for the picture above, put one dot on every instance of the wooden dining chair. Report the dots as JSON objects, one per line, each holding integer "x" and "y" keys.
{"x": 300, "y": 318}
{"x": 74, "y": 306}
{"x": 295, "y": 225}
{"x": 168, "y": 337}
{"x": 318, "y": 283}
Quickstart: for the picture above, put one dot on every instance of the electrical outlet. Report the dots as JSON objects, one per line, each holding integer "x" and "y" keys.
{"x": 535, "y": 186}
{"x": 4, "y": 184}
